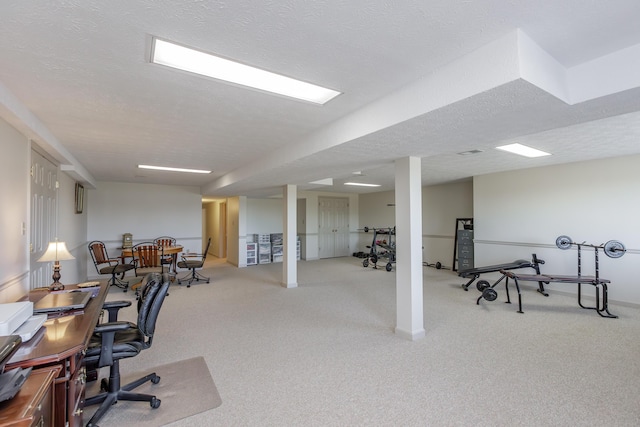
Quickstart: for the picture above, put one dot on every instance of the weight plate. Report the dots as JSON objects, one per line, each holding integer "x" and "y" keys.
{"x": 490, "y": 294}
{"x": 614, "y": 249}
{"x": 482, "y": 285}
{"x": 389, "y": 267}
{"x": 564, "y": 242}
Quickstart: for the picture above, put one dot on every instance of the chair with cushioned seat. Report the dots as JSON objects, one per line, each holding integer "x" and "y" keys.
{"x": 106, "y": 265}
{"x": 116, "y": 340}
{"x": 193, "y": 262}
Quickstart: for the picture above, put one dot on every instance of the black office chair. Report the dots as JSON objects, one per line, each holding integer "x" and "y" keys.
{"x": 106, "y": 265}
{"x": 117, "y": 340}
{"x": 192, "y": 262}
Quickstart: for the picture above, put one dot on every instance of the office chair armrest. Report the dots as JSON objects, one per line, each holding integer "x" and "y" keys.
{"x": 107, "y": 333}
{"x": 113, "y": 307}
{"x": 106, "y": 328}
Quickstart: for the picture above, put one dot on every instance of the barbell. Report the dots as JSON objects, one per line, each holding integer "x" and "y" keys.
{"x": 613, "y": 248}
{"x": 488, "y": 292}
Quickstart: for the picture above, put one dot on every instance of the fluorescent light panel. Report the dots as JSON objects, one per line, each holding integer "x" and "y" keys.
{"x": 361, "y": 184}
{"x": 164, "y": 168}
{"x": 187, "y": 59}
{"x": 523, "y": 150}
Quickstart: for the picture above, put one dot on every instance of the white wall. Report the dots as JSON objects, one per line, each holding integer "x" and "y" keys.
{"x": 264, "y": 216}
{"x": 523, "y": 212}
{"x": 14, "y": 213}
{"x": 441, "y": 205}
{"x": 72, "y": 229}
{"x": 145, "y": 210}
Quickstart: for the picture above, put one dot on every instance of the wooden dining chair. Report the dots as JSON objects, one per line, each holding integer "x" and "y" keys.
{"x": 147, "y": 258}
{"x": 167, "y": 241}
{"x": 106, "y": 265}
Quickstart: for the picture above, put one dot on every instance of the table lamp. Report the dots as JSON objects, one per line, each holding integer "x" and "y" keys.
{"x": 56, "y": 252}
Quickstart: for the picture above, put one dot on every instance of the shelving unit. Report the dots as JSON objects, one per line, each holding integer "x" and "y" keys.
{"x": 267, "y": 248}
{"x": 463, "y": 244}
{"x": 252, "y": 253}
{"x": 264, "y": 249}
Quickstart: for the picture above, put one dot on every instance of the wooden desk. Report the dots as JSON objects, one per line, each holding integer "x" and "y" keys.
{"x": 61, "y": 343}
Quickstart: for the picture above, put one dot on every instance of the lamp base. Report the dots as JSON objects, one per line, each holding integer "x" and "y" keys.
{"x": 56, "y": 285}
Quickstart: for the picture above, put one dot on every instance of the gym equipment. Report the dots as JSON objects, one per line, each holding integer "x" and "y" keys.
{"x": 487, "y": 290}
{"x": 380, "y": 249}
{"x": 474, "y": 273}
{"x": 613, "y": 249}
{"x": 438, "y": 265}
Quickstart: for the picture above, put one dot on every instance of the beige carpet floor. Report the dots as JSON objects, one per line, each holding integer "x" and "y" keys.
{"x": 325, "y": 353}
{"x": 185, "y": 388}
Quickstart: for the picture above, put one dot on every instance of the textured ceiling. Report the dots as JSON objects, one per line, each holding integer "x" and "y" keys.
{"x": 419, "y": 78}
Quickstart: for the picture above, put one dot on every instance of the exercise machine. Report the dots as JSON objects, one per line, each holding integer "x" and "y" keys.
{"x": 474, "y": 273}
{"x": 613, "y": 249}
{"x": 381, "y": 248}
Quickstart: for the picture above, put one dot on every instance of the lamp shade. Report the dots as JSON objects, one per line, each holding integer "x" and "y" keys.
{"x": 57, "y": 251}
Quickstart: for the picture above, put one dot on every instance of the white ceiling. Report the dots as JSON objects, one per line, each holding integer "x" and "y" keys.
{"x": 428, "y": 78}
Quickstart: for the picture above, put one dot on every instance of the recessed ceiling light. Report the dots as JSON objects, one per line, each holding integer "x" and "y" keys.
{"x": 361, "y": 184}
{"x": 163, "y": 168}
{"x": 187, "y": 59}
{"x": 523, "y": 150}
{"x": 326, "y": 181}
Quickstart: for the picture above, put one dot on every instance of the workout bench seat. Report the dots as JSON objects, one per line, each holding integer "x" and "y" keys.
{"x": 474, "y": 273}
{"x": 601, "y": 285}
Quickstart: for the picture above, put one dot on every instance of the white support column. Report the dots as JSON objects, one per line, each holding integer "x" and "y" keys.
{"x": 409, "y": 303}
{"x": 289, "y": 262}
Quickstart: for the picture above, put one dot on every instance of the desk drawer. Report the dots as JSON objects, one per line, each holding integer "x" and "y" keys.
{"x": 77, "y": 384}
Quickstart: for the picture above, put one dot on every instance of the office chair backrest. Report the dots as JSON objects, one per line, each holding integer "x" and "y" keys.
{"x": 151, "y": 298}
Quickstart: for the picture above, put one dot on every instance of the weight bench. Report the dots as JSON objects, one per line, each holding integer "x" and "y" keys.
{"x": 473, "y": 273}
{"x": 601, "y": 285}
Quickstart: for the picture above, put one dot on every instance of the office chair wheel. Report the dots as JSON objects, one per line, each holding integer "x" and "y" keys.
{"x": 155, "y": 379}
{"x": 155, "y": 403}
{"x": 104, "y": 385}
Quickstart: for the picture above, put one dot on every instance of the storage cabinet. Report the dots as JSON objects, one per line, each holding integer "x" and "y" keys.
{"x": 264, "y": 248}
{"x": 33, "y": 405}
{"x": 252, "y": 253}
{"x": 267, "y": 248}
{"x": 463, "y": 244}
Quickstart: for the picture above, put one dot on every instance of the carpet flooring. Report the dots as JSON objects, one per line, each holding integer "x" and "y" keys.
{"x": 325, "y": 353}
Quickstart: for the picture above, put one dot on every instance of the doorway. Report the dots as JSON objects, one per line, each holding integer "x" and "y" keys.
{"x": 333, "y": 227}
{"x": 44, "y": 216}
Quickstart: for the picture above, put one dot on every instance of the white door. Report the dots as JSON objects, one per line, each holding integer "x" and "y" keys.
{"x": 44, "y": 211}
{"x": 333, "y": 227}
